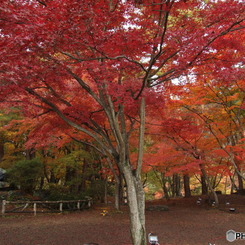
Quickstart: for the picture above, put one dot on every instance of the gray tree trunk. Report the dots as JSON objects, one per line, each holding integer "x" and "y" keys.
{"x": 204, "y": 173}
{"x": 117, "y": 193}
{"x": 136, "y": 202}
{"x": 135, "y": 190}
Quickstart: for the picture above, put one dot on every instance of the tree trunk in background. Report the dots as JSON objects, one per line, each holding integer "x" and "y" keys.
{"x": 30, "y": 154}
{"x": 240, "y": 179}
{"x": 52, "y": 178}
{"x": 240, "y": 183}
{"x": 176, "y": 185}
{"x": 209, "y": 185}
{"x": 117, "y": 192}
{"x": 41, "y": 183}
{"x": 187, "y": 185}
{"x": 165, "y": 189}
{"x": 233, "y": 184}
{"x": 204, "y": 185}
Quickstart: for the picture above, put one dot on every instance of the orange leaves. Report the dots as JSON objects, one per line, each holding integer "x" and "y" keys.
{"x": 220, "y": 153}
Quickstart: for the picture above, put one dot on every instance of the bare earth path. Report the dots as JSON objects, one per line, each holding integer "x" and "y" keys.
{"x": 183, "y": 224}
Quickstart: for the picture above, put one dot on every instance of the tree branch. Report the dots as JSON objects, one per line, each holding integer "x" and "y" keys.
{"x": 66, "y": 119}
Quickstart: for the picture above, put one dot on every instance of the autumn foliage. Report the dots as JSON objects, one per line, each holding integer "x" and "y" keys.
{"x": 126, "y": 77}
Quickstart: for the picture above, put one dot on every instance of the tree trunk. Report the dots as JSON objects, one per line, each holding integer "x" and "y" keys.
{"x": 53, "y": 178}
{"x": 187, "y": 185}
{"x": 240, "y": 183}
{"x": 204, "y": 185}
{"x": 135, "y": 190}
{"x": 165, "y": 189}
{"x": 30, "y": 154}
{"x": 208, "y": 183}
{"x": 136, "y": 201}
{"x": 117, "y": 192}
{"x": 41, "y": 183}
{"x": 216, "y": 199}
{"x": 233, "y": 184}
{"x": 176, "y": 185}
{"x": 240, "y": 179}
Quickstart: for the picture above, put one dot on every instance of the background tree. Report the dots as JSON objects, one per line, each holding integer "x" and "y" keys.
{"x": 26, "y": 174}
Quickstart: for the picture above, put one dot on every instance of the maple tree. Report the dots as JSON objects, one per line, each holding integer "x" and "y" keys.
{"x": 98, "y": 65}
{"x": 205, "y": 122}
{"x": 12, "y": 138}
{"x": 162, "y": 158}
{"x": 217, "y": 103}
{"x": 223, "y": 117}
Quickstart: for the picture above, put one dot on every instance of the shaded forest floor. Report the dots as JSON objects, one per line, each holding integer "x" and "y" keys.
{"x": 186, "y": 223}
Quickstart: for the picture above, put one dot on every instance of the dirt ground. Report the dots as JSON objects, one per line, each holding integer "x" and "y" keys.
{"x": 186, "y": 223}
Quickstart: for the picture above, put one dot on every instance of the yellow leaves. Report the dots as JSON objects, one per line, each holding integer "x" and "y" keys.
{"x": 104, "y": 212}
{"x": 9, "y": 161}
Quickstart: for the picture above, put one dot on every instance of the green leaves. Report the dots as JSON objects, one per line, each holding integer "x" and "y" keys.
{"x": 25, "y": 174}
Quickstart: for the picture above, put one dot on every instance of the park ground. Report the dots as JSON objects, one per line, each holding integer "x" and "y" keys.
{"x": 186, "y": 223}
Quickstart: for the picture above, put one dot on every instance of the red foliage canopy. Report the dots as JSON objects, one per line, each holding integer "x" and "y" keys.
{"x": 76, "y": 59}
